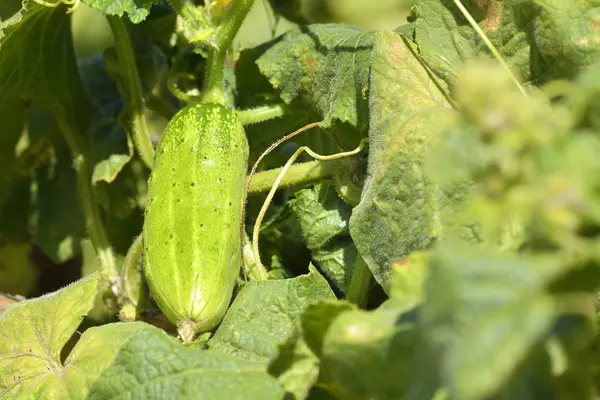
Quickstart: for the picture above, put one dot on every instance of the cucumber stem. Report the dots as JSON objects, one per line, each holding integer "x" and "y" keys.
{"x": 214, "y": 90}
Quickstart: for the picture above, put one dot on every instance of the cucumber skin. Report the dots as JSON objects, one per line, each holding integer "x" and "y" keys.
{"x": 193, "y": 215}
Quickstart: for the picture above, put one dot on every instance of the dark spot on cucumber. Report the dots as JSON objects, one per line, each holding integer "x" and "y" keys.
{"x": 170, "y": 236}
{"x": 230, "y": 204}
{"x": 220, "y": 180}
{"x": 174, "y": 185}
{"x": 193, "y": 184}
{"x": 178, "y": 200}
{"x": 201, "y": 225}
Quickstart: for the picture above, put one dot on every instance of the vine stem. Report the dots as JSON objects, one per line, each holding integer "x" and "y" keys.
{"x": 260, "y": 114}
{"x": 214, "y": 90}
{"x": 489, "y": 44}
{"x": 250, "y": 176}
{"x": 133, "y": 91}
{"x": 108, "y": 263}
{"x": 360, "y": 283}
{"x": 313, "y": 171}
{"x": 253, "y": 270}
{"x": 287, "y": 165}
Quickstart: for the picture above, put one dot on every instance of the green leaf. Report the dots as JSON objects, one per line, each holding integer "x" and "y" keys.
{"x": 111, "y": 149}
{"x": 137, "y": 10}
{"x": 37, "y": 63}
{"x": 408, "y": 278}
{"x": 42, "y": 375}
{"x": 540, "y": 40}
{"x": 485, "y": 308}
{"x": 33, "y": 334}
{"x": 297, "y": 363}
{"x": 446, "y": 40}
{"x": 337, "y": 261}
{"x": 372, "y": 354}
{"x": 263, "y": 315}
{"x": 567, "y": 34}
{"x": 401, "y": 209}
{"x": 60, "y": 224}
{"x": 323, "y": 218}
{"x": 327, "y": 66}
{"x": 153, "y": 365}
{"x": 322, "y": 214}
{"x": 444, "y": 37}
{"x": 95, "y": 351}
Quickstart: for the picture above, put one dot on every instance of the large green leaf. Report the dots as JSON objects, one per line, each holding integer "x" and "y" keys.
{"x": 37, "y": 64}
{"x": 263, "y": 315}
{"x": 33, "y": 334}
{"x": 567, "y": 34}
{"x": 539, "y": 39}
{"x": 153, "y": 365}
{"x": 327, "y": 67}
{"x": 401, "y": 209}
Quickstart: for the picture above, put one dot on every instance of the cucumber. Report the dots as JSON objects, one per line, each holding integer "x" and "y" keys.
{"x": 193, "y": 216}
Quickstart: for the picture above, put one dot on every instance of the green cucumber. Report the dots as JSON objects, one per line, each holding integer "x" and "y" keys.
{"x": 193, "y": 216}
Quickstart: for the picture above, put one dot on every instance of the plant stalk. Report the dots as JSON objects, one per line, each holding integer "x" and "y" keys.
{"x": 93, "y": 222}
{"x": 260, "y": 114}
{"x": 489, "y": 44}
{"x": 360, "y": 283}
{"x": 135, "y": 119}
{"x": 313, "y": 171}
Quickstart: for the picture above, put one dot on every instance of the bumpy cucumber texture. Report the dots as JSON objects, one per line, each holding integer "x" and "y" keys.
{"x": 192, "y": 225}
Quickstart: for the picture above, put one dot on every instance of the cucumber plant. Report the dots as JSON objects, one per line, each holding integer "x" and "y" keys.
{"x": 430, "y": 229}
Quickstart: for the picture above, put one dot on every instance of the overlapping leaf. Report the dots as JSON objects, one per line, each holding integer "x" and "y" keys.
{"x": 297, "y": 363}
{"x": 401, "y": 210}
{"x": 540, "y": 40}
{"x": 263, "y": 315}
{"x": 324, "y": 219}
{"x": 327, "y": 67}
{"x": 37, "y": 64}
{"x": 33, "y": 334}
{"x": 153, "y": 365}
